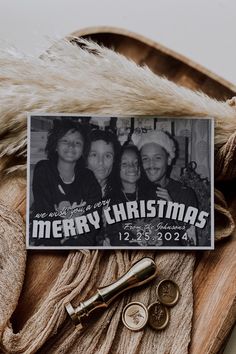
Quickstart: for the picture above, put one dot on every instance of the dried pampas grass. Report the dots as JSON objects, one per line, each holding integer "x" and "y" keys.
{"x": 89, "y": 79}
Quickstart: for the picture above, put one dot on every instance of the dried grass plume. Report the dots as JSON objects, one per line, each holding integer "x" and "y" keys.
{"x": 89, "y": 79}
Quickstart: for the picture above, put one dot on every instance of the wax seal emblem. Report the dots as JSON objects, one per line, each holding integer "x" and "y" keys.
{"x": 168, "y": 292}
{"x": 135, "y": 316}
{"x": 158, "y": 316}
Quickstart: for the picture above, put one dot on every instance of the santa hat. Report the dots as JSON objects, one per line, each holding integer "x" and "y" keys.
{"x": 158, "y": 137}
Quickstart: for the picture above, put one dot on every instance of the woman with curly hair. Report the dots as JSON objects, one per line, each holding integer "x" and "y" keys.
{"x": 61, "y": 183}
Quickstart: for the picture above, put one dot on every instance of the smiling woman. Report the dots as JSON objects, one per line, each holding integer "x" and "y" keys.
{"x": 130, "y": 172}
{"x": 62, "y": 183}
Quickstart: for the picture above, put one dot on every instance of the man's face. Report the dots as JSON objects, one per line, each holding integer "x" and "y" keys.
{"x": 155, "y": 162}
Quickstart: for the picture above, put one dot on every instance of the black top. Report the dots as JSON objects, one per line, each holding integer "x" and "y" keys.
{"x": 52, "y": 194}
{"x": 181, "y": 194}
{"x": 50, "y": 191}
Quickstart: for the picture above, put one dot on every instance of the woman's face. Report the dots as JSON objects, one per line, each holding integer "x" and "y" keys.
{"x": 70, "y": 147}
{"x": 129, "y": 167}
{"x": 100, "y": 159}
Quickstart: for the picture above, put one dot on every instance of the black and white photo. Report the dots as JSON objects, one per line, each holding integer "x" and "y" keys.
{"x": 119, "y": 182}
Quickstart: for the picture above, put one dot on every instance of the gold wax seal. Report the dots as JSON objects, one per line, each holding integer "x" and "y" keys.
{"x": 135, "y": 316}
{"x": 168, "y": 292}
{"x": 158, "y": 316}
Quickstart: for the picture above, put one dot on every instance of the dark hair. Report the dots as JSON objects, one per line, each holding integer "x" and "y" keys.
{"x": 60, "y": 128}
{"x": 107, "y": 136}
{"x": 110, "y": 138}
{"x": 127, "y": 147}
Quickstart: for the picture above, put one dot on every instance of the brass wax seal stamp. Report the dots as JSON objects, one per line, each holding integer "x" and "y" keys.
{"x": 168, "y": 292}
{"x": 158, "y": 316}
{"x": 139, "y": 274}
{"x": 135, "y": 316}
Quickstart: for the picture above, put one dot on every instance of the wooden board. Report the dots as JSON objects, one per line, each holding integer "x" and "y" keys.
{"x": 161, "y": 60}
{"x": 215, "y": 272}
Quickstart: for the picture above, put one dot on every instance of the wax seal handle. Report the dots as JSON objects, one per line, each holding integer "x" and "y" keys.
{"x": 140, "y": 273}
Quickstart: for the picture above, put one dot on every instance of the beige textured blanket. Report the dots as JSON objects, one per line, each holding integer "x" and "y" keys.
{"x": 94, "y": 80}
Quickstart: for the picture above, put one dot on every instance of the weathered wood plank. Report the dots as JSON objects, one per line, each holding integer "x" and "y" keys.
{"x": 214, "y": 298}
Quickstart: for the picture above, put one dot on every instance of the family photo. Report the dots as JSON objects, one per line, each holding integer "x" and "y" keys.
{"x": 119, "y": 182}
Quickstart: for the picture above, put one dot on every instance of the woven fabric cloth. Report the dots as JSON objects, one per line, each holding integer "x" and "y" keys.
{"x": 94, "y": 80}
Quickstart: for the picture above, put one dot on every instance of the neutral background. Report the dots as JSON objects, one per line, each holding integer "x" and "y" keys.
{"x": 203, "y": 31}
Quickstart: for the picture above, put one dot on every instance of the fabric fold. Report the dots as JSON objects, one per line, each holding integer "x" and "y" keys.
{"x": 12, "y": 262}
